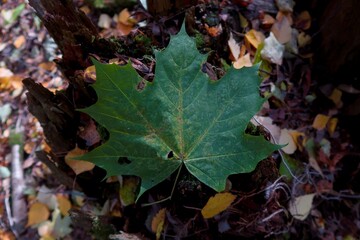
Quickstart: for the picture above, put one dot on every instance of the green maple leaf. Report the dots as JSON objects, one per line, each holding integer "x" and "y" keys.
{"x": 182, "y": 113}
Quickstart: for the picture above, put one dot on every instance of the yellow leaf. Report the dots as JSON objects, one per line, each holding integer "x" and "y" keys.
{"x": 128, "y": 190}
{"x": 254, "y": 37}
{"x": 64, "y": 204}
{"x": 90, "y": 74}
{"x": 38, "y": 213}
{"x": 320, "y": 121}
{"x": 244, "y": 61}
{"x": 157, "y": 223}
{"x": 331, "y": 126}
{"x": 335, "y": 96}
{"x": 295, "y": 135}
{"x": 217, "y": 204}
{"x": 78, "y": 166}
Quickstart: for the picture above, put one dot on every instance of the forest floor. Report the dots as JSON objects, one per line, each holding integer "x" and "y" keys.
{"x": 308, "y": 190}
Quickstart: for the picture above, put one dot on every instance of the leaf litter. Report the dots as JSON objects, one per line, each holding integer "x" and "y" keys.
{"x": 293, "y": 94}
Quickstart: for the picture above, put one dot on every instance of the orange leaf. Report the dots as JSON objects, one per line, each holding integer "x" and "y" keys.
{"x": 157, "y": 223}
{"x": 124, "y": 16}
{"x": 320, "y": 121}
{"x": 48, "y": 66}
{"x": 78, "y": 166}
{"x": 64, "y": 204}
{"x": 217, "y": 204}
{"x": 38, "y": 213}
{"x": 19, "y": 41}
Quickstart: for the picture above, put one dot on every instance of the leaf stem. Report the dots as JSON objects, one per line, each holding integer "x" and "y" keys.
{"x": 172, "y": 190}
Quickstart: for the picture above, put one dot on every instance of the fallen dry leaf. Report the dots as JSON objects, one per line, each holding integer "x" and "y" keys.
{"x": 331, "y": 126}
{"x": 320, "y": 121}
{"x": 286, "y": 138}
{"x": 300, "y": 206}
{"x": 243, "y": 61}
{"x": 234, "y": 47}
{"x": 273, "y": 50}
{"x": 282, "y": 29}
{"x": 78, "y": 166}
{"x": 63, "y": 204}
{"x": 19, "y": 41}
{"x": 38, "y": 213}
{"x": 267, "y": 20}
{"x": 254, "y": 38}
{"x": 157, "y": 223}
{"x": 104, "y": 21}
{"x": 335, "y": 96}
{"x": 48, "y": 66}
{"x": 303, "y": 21}
{"x": 214, "y": 31}
{"x": 217, "y": 204}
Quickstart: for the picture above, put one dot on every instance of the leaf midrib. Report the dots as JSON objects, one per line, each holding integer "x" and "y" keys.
{"x": 135, "y": 107}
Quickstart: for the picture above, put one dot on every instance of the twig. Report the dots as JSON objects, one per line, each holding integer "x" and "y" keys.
{"x": 19, "y": 211}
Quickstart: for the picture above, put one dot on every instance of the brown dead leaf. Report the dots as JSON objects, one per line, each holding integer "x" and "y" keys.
{"x": 267, "y": 20}
{"x": 254, "y": 38}
{"x": 6, "y": 235}
{"x": 217, "y": 204}
{"x": 48, "y": 66}
{"x": 78, "y": 166}
{"x": 63, "y": 204}
{"x": 157, "y": 223}
{"x": 214, "y": 31}
{"x": 320, "y": 121}
{"x": 38, "y": 213}
{"x": 282, "y": 29}
{"x": 303, "y": 21}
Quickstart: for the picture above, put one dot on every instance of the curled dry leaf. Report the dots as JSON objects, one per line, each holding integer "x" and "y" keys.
{"x": 234, "y": 47}
{"x": 254, "y": 38}
{"x": 217, "y": 204}
{"x": 78, "y": 166}
{"x": 273, "y": 50}
{"x": 244, "y": 61}
{"x": 303, "y": 21}
{"x": 157, "y": 223}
